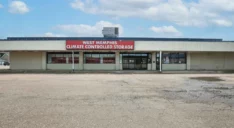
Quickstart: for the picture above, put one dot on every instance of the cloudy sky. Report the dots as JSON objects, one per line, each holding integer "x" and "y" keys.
{"x": 135, "y": 18}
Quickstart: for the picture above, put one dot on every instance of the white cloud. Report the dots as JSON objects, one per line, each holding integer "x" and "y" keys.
{"x": 1, "y": 6}
{"x": 180, "y": 12}
{"x": 87, "y": 30}
{"x": 221, "y": 22}
{"x": 18, "y": 7}
{"x": 49, "y": 34}
{"x": 216, "y": 5}
{"x": 166, "y": 31}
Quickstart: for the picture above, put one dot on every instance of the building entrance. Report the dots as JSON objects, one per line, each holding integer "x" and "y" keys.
{"x": 135, "y": 61}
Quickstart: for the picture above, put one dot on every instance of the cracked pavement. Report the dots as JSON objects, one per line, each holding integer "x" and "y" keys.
{"x": 114, "y": 101}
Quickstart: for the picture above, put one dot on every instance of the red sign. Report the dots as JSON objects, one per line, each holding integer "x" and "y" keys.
{"x": 99, "y": 45}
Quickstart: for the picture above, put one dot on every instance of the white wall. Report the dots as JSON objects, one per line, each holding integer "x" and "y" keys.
{"x": 26, "y": 60}
{"x": 117, "y": 61}
{"x": 188, "y": 60}
{"x": 196, "y": 61}
{"x": 212, "y": 61}
{"x": 149, "y": 66}
{"x": 81, "y": 61}
{"x": 139, "y": 46}
{"x": 170, "y": 67}
{"x": 153, "y": 61}
{"x": 43, "y": 60}
{"x": 183, "y": 46}
{"x": 99, "y": 67}
{"x": 61, "y": 66}
{"x": 32, "y": 45}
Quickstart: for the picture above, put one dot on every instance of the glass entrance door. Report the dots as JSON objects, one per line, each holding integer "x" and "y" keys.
{"x": 138, "y": 64}
{"x": 135, "y": 61}
{"x": 131, "y": 63}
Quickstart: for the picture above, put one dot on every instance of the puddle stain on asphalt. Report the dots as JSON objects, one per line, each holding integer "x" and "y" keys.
{"x": 208, "y": 79}
{"x": 208, "y": 92}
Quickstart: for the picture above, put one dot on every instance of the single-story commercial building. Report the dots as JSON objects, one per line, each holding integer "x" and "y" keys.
{"x": 98, "y": 53}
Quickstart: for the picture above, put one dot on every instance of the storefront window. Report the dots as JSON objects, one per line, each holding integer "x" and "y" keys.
{"x": 174, "y": 58}
{"x": 182, "y": 58}
{"x": 108, "y": 60}
{"x": 135, "y": 61}
{"x": 62, "y": 58}
{"x": 165, "y": 58}
{"x": 99, "y": 58}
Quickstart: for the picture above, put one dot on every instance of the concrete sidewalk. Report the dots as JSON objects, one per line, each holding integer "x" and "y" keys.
{"x": 8, "y": 71}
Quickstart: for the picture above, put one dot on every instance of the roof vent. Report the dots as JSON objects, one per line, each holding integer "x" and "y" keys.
{"x": 110, "y": 32}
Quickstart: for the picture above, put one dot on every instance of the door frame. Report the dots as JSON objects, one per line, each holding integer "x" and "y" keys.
{"x": 136, "y": 57}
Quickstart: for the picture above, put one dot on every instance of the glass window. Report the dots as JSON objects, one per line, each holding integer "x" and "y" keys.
{"x": 62, "y": 58}
{"x": 124, "y": 54}
{"x": 66, "y": 55}
{"x": 75, "y": 55}
{"x": 95, "y": 56}
{"x": 125, "y": 61}
{"x": 131, "y": 61}
{"x": 133, "y": 54}
{"x": 76, "y": 60}
{"x": 58, "y": 60}
{"x": 182, "y": 60}
{"x": 174, "y": 58}
{"x": 182, "y": 55}
{"x": 108, "y": 60}
{"x": 144, "y": 54}
{"x": 49, "y": 60}
{"x": 90, "y": 60}
{"x": 88, "y": 55}
{"x": 144, "y": 60}
{"x": 59, "y": 55}
{"x": 111, "y": 55}
{"x": 135, "y": 61}
{"x": 165, "y": 58}
{"x": 158, "y": 55}
{"x": 99, "y": 58}
{"x": 103, "y": 55}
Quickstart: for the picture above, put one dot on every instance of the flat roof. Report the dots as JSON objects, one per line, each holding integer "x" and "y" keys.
{"x": 119, "y": 38}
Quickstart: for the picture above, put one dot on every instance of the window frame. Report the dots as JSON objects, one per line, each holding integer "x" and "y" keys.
{"x": 170, "y": 54}
{"x": 64, "y": 54}
{"x": 100, "y": 55}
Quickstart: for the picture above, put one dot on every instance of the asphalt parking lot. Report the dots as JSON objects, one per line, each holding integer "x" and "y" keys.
{"x": 116, "y": 100}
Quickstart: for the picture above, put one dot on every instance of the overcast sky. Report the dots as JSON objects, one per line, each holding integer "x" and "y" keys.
{"x": 135, "y": 18}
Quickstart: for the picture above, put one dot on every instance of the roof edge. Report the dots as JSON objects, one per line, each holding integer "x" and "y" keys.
{"x": 119, "y": 38}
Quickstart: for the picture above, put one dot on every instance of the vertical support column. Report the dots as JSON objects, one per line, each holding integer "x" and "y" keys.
{"x": 81, "y": 61}
{"x": 160, "y": 60}
{"x": 188, "y": 61}
{"x": 101, "y": 61}
{"x": 44, "y": 60}
{"x": 117, "y": 61}
{"x": 10, "y": 59}
{"x": 73, "y": 64}
{"x": 153, "y": 61}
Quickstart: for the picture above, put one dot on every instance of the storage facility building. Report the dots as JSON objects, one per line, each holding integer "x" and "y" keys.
{"x": 120, "y": 53}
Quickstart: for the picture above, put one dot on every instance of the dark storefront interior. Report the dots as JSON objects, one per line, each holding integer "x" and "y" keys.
{"x": 135, "y": 61}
